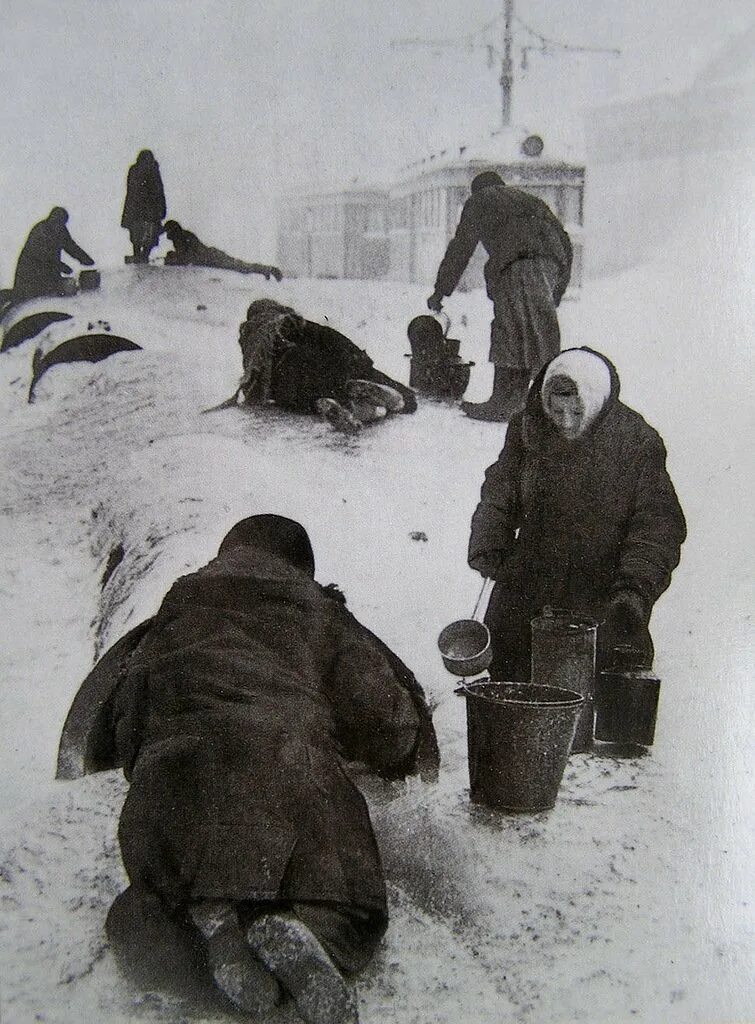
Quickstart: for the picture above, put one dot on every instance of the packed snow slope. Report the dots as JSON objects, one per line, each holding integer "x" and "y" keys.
{"x": 630, "y": 901}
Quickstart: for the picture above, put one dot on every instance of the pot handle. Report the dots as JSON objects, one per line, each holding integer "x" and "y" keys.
{"x": 482, "y": 600}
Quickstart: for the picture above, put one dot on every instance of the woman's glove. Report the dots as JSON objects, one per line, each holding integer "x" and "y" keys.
{"x": 494, "y": 565}
{"x": 626, "y": 613}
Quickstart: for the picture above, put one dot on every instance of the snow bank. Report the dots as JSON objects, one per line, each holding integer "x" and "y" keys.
{"x": 624, "y": 902}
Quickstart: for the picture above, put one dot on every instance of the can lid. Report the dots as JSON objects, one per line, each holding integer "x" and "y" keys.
{"x": 563, "y": 620}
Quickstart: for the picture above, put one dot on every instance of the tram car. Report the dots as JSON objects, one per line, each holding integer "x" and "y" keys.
{"x": 335, "y": 235}
{"x": 401, "y": 232}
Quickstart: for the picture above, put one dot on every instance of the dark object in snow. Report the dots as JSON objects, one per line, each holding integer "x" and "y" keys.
{"x": 437, "y": 369}
{"x": 518, "y": 741}
{"x": 39, "y": 270}
{"x": 188, "y": 251}
{"x": 526, "y": 275}
{"x": 232, "y": 713}
{"x": 579, "y": 523}
{"x": 563, "y": 655}
{"x": 418, "y": 535}
{"x": 30, "y": 327}
{"x": 86, "y": 348}
{"x": 114, "y": 559}
{"x": 89, "y": 280}
{"x": 201, "y": 308}
{"x": 626, "y": 700}
{"x": 294, "y": 363}
{"x": 144, "y": 209}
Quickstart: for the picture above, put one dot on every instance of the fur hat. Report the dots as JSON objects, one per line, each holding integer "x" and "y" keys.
{"x": 590, "y": 375}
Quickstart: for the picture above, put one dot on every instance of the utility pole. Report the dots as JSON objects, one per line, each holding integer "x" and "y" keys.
{"x": 507, "y": 65}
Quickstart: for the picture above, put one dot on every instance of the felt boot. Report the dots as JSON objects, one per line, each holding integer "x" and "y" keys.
{"x": 509, "y": 392}
{"x": 338, "y": 416}
{"x": 295, "y": 956}
{"x": 235, "y": 969}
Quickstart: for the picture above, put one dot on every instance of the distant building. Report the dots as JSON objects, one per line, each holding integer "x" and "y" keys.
{"x": 401, "y": 232}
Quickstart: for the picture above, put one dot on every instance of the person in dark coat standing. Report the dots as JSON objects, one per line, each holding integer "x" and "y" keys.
{"x": 234, "y": 713}
{"x": 144, "y": 209}
{"x": 39, "y": 270}
{"x": 189, "y": 251}
{"x": 527, "y": 272}
{"x": 577, "y": 513}
{"x": 306, "y": 367}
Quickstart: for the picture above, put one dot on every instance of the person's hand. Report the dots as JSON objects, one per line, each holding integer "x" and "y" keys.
{"x": 435, "y": 302}
{"x": 626, "y": 613}
{"x": 493, "y": 565}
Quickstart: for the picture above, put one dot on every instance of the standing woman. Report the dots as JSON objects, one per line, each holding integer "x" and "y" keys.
{"x": 144, "y": 209}
{"x": 578, "y": 512}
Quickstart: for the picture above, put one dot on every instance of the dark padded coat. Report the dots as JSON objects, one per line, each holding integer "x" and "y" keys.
{"x": 236, "y": 710}
{"x": 528, "y": 270}
{"x": 511, "y": 225}
{"x": 145, "y": 196}
{"x": 571, "y": 524}
{"x": 39, "y": 269}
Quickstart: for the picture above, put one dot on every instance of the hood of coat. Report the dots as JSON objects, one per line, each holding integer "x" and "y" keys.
{"x": 536, "y": 423}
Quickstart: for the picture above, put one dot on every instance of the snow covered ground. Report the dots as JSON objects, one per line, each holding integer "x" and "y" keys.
{"x": 631, "y": 900}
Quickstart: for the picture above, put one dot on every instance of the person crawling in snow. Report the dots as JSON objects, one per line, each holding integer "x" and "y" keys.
{"x": 304, "y": 367}
{"x": 577, "y": 513}
{"x": 188, "y": 251}
{"x": 235, "y": 714}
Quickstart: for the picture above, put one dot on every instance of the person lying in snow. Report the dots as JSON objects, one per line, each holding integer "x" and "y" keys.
{"x": 307, "y": 368}
{"x": 578, "y": 513}
{"x": 234, "y": 712}
{"x": 189, "y": 251}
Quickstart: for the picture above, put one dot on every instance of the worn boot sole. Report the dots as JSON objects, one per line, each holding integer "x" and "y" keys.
{"x": 338, "y": 417}
{"x": 236, "y": 971}
{"x": 293, "y": 954}
{"x": 375, "y": 394}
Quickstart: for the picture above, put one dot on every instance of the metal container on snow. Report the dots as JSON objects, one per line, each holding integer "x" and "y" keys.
{"x": 626, "y": 701}
{"x": 89, "y": 280}
{"x": 563, "y": 655}
{"x": 518, "y": 742}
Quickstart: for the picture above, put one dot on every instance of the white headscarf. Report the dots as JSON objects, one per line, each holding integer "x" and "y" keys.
{"x": 591, "y": 377}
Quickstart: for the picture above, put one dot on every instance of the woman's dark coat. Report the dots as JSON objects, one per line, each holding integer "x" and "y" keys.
{"x": 39, "y": 269}
{"x": 145, "y": 197}
{"x": 237, "y": 708}
{"x": 571, "y": 524}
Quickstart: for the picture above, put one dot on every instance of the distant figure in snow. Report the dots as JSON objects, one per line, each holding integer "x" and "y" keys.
{"x": 39, "y": 270}
{"x": 235, "y": 714}
{"x": 144, "y": 209}
{"x": 307, "y": 368}
{"x": 189, "y": 251}
{"x": 578, "y": 513}
{"x": 528, "y": 270}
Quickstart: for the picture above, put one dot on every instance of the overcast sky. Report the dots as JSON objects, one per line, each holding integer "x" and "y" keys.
{"x": 241, "y": 100}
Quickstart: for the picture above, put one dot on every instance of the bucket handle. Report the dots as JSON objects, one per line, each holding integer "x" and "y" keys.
{"x": 481, "y": 605}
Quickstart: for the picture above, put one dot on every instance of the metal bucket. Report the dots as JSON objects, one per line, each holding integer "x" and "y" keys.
{"x": 518, "y": 742}
{"x": 465, "y": 645}
{"x": 563, "y": 655}
{"x": 89, "y": 280}
{"x": 626, "y": 706}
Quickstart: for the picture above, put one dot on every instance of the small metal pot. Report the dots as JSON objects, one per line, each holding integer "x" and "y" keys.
{"x": 465, "y": 645}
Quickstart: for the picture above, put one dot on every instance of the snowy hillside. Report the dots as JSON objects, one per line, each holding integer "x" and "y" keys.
{"x": 627, "y": 902}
